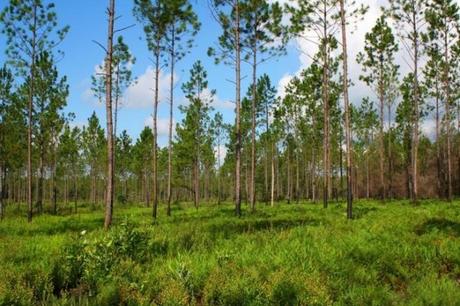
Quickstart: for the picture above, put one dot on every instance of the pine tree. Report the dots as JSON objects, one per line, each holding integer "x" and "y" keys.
{"x": 50, "y": 98}
{"x": 191, "y": 133}
{"x": 409, "y": 16}
{"x": 156, "y": 18}
{"x": 31, "y": 29}
{"x": 262, "y": 38}
{"x": 442, "y": 35}
{"x": 183, "y": 26}
{"x": 228, "y": 14}
{"x": 379, "y": 69}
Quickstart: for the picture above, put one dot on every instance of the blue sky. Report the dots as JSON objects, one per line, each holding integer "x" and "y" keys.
{"x": 87, "y": 21}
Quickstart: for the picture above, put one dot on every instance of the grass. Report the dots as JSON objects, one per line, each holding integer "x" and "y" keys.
{"x": 298, "y": 254}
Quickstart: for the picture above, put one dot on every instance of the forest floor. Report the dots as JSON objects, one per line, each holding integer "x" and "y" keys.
{"x": 297, "y": 254}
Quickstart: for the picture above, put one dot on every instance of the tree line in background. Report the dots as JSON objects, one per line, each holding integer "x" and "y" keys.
{"x": 303, "y": 145}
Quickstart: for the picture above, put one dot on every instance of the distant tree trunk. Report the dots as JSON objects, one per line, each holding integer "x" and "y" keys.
{"x": 147, "y": 191}
{"x": 390, "y": 155}
{"x": 108, "y": 102}
{"x": 367, "y": 177}
{"x": 75, "y": 195}
{"x": 238, "y": 94}
{"x": 252, "y": 196}
{"x": 347, "y": 114}
{"x": 155, "y": 112}
{"x": 325, "y": 96}
{"x": 313, "y": 175}
{"x": 115, "y": 119}
{"x": 29, "y": 115}
{"x": 272, "y": 193}
{"x": 438, "y": 149}
{"x": 218, "y": 171}
{"x": 288, "y": 175}
{"x": 53, "y": 185}
{"x": 196, "y": 182}
{"x": 381, "y": 135}
{"x": 65, "y": 191}
{"x": 414, "y": 179}
{"x": 448, "y": 120}
{"x": 171, "y": 104}
{"x": 41, "y": 175}
{"x": 1, "y": 192}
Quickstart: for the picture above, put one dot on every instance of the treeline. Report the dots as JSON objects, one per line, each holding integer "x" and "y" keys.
{"x": 311, "y": 143}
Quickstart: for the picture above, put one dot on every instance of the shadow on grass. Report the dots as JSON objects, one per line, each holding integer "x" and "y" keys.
{"x": 70, "y": 225}
{"x": 227, "y": 229}
{"x": 439, "y": 224}
{"x": 361, "y": 211}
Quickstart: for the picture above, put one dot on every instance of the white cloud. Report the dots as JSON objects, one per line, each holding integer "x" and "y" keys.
{"x": 355, "y": 37}
{"x": 428, "y": 128}
{"x": 222, "y": 151}
{"x": 162, "y": 125}
{"x": 141, "y": 93}
{"x": 217, "y": 102}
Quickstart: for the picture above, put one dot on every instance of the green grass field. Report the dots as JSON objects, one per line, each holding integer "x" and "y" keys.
{"x": 298, "y": 254}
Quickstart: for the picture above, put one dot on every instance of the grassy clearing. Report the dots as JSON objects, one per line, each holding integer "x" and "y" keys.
{"x": 288, "y": 255}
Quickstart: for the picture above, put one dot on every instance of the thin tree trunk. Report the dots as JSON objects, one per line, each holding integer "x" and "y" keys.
{"x": 53, "y": 185}
{"x": 416, "y": 110}
{"x": 252, "y": 196}
{"x": 237, "y": 99}
{"x": 196, "y": 181}
{"x": 40, "y": 181}
{"x": 325, "y": 93}
{"x": 75, "y": 187}
{"x": 381, "y": 135}
{"x": 108, "y": 98}
{"x": 29, "y": 115}
{"x": 448, "y": 120}
{"x": 1, "y": 192}
{"x": 155, "y": 112}
{"x": 171, "y": 104}
{"x": 272, "y": 193}
{"x": 390, "y": 155}
{"x": 347, "y": 114}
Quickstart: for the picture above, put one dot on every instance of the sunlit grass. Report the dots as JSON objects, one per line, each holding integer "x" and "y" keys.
{"x": 392, "y": 253}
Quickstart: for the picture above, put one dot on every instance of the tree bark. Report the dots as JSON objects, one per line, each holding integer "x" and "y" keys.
{"x": 155, "y": 112}
{"x": 347, "y": 113}
{"x": 448, "y": 120}
{"x": 171, "y": 104}
{"x": 325, "y": 95}
{"x": 108, "y": 102}
{"x": 238, "y": 102}
{"x": 416, "y": 111}
{"x": 381, "y": 136}
{"x": 252, "y": 196}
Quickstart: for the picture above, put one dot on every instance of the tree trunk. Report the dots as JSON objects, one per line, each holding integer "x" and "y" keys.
{"x": 237, "y": 100}
{"x": 1, "y": 192}
{"x": 40, "y": 180}
{"x": 272, "y": 193}
{"x": 448, "y": 120}
{"x": 381, "y": 140}
{"x": 347, "y": 114}
{"x": 390, "y": 155}
{"x": 252, "y": 196}
{"x": 325, "y": 95}
{"x": 108, "y": 106}
{"x": 155, "y": 112}
{"x": 416, "y": 111}
{"x": 53, "y": 186}
{"x": 75, "y": 195}
{"x": 196, "y": 182}
{"x": 171, "y": 104}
